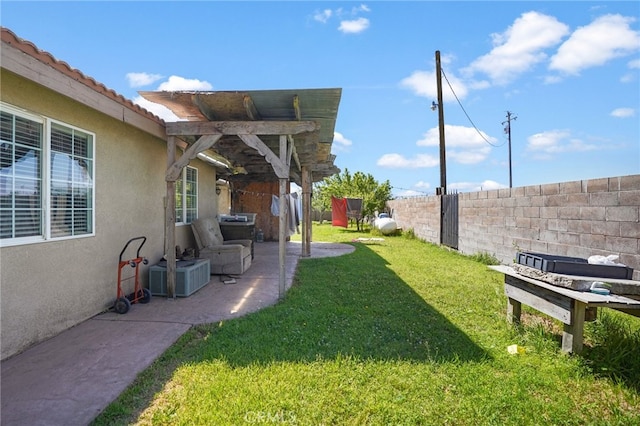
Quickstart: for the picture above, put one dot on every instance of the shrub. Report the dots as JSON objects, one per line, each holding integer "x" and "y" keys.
{"x": 485, "y": 258}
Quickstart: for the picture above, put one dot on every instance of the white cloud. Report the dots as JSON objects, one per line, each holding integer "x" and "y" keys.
{"x": 139, "y": 79}
{"x": 623, "y": 112}
{"x": 543, "y": 145}
{"x": 354, "y": 26}
{"x": 464, "y": 145}
{"x": 520, "y": 47}
{"x": 410, "y": 193}
{"x": 174, "y": 83}
{"x": 177, "y": 83}
{"x": 422, "y": 185}
{"x": 323, "y": 16}
{"x": 631, "y": 76}
{"x": 399, "y": 161}
{"x": 546, "y": 141}
{"x": 350, "y": 22}
{"x": 423, "y": 83}
{"x": 606, "y": 38}
{"x": 160, "y": 110}
{"x": 552, "y": 79}
{"x": 340, "y": 143}
{"x": 628, "y": 78}
{"x": 486, "y": 185}
{"x": 468, "y": 156}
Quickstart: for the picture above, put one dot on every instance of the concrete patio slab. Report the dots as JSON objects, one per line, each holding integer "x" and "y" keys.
{"x": 72, "y": 377}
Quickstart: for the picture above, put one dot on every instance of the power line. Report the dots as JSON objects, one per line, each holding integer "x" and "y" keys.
{"x": 465, "y": 112}
{"x": 414, "y": 190}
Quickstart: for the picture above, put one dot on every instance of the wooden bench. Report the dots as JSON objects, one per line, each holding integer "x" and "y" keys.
{"x": 571, "y": 307}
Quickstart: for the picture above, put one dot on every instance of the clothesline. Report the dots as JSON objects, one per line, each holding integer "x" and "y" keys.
{"x": 262, "y": 194}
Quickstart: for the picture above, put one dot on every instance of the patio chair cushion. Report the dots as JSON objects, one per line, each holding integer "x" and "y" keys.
{"x": 207, "y": 232}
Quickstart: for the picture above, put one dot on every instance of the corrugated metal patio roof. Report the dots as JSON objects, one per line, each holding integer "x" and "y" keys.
{"x": 312, "y": 149}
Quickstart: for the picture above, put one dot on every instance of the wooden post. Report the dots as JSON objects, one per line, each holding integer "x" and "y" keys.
{"x": 443, "y": 158}
{"x": 573, "y": 334}
{"x": 170, "y": 221}
{"x": 282, "y": 224}
{"x": 514, "y": 310}
{"x": 306, "y": 212}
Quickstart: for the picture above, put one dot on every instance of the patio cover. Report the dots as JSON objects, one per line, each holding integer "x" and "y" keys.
{"x": 259, "y": 135}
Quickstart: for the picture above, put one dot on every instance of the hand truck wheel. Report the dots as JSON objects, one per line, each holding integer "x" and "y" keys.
{"x": 122, "y": 305}
{"x": 145, "y": 295}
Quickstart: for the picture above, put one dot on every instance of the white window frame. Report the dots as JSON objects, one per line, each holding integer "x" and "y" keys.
{"x": 183, "y": 184}
{"x": 46, "y": 179}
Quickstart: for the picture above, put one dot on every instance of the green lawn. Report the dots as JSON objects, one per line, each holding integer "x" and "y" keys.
{"x": 399, "y": 332}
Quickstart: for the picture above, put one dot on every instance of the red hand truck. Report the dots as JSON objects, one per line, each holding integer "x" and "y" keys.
{"x": 123, "y": 302}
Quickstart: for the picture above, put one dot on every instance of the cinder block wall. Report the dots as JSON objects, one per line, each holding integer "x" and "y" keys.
{"x": 579, "y": 218}
{"x": 422, "y": 214}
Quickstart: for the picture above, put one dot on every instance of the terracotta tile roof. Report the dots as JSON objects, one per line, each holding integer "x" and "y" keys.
{"x": 27, "y": 47}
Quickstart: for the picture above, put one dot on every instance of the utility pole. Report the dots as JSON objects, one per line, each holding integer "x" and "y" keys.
{"x": 507, "y": 130}
{"x": 443, "y": 160}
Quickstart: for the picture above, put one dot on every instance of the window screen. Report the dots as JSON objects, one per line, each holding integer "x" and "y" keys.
{"x": 20, "y": 177}
{"x": 35, "y": 171}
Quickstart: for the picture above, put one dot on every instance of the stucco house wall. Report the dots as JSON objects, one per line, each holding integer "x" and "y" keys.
{"x": 49, "y": 286}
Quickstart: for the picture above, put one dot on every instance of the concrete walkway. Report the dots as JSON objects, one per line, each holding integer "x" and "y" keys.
{"x": 72, "y": 377}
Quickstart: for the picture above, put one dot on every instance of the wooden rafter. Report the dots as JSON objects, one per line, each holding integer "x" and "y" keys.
{"x": 296, "y": 107}
{"x": 204, "y": 109}
{"x": 250, "y": 108}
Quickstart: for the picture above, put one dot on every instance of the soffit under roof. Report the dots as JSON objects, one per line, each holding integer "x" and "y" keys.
{"x": 312, "y": 149}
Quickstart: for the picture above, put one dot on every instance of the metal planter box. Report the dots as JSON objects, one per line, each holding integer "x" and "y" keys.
{"x": 572, "y": 266}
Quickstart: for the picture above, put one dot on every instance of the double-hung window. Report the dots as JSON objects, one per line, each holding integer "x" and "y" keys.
{"x": 46, "y": 179}
{"x": 187, "y": 196}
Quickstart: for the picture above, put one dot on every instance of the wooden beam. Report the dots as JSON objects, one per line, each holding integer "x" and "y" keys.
{"x": 250, "y": 108}
{"x": 187, "y": 128}
{"x": 280, "y": 167}
{"x": 205, "y": 142}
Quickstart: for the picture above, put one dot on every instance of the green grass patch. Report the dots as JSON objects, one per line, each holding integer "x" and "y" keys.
{"x": 397, "y": 332}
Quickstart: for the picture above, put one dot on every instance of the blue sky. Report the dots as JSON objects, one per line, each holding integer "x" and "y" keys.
{"x": 569, "y": 71}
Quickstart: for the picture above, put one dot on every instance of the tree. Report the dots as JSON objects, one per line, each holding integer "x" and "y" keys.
{"x": 359, "y": 185}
